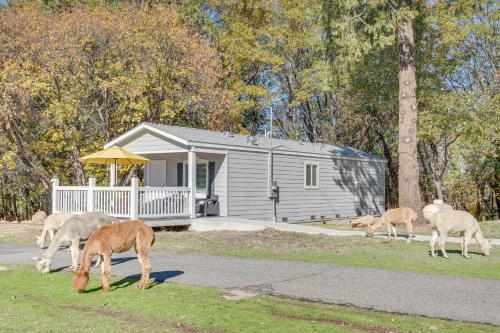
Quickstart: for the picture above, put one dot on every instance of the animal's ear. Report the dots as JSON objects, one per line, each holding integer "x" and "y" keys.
{"x": 36, "y": 258}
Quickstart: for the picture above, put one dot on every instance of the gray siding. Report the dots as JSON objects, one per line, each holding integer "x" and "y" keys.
{"x": 149, "y": 142}
{"x": 338, "y": 195}
{"x": 248, "y": 185}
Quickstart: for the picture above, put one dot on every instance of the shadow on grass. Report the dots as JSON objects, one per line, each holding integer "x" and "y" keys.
{"x": 117, "y": 261}
{"x": 459, "y": 252}
{"x": 157, "y": 277}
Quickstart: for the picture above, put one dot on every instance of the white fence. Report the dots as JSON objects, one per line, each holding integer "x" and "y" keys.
{"x": 163, "y": 201}
{"x": 70, "y": 199}
{"x": 132, "y": 202}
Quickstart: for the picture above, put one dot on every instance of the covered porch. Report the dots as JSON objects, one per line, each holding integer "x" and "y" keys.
{"x": 173, "y": 191}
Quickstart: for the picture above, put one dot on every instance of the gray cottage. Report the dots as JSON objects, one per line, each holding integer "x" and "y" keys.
{"x": 250, "y": 177}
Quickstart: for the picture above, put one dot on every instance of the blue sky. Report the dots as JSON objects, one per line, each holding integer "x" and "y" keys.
{"x": 3, "y": 1}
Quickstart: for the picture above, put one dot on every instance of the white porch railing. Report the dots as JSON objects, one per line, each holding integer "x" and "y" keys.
{"x": 69, "y": 199}
{"x": 114, "y": 201}
{"x": 132, "y": 202}
{"x": 163, "y": 201}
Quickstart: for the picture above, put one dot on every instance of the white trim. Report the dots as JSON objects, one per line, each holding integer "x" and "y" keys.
{"x": 163, "y": 188}
{"x": 192, "y": 183}
{"x": 210, "y": 151}
{"x": 200, "y": 145}
{"x": 311, "y": 187}
{"x": 160, "y": 152}
{"x": 147, "y": 127}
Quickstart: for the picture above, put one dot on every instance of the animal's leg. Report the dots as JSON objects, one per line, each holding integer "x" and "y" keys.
{"x": 442, "y": 242}
{"x": 105, "y": 271}
{"x": 51, "y": 234}
{"x": 146, "y": 269}
{"x": 462, "y": 242}
{"x": 98, "y": 262}
{"x": 434, "y": 237}
{"x": 394, "y": 232}
{"x": 389, "y": 229}
{"x": 75, "y": 251}
{"x": 41, "y": 240}
{"x": 409, "y": 227}
{"x": 467, "y": 237}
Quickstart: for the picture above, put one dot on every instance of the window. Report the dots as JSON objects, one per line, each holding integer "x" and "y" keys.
{"x": 201, "y": 177}
{"x": 311, "y": 175}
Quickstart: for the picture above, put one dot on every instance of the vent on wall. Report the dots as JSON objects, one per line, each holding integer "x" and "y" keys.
{"x": 284, "y": 219}
{"x": 313, "y": 217}
{"x": 337, "y": 215}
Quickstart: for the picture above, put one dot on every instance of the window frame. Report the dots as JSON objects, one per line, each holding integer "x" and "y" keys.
{"x": 311, "y": 187}
{"x": 185, "y": 165}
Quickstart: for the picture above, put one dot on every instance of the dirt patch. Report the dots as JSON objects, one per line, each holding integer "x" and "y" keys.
{"x": 339, "y": 323}
{"x": 237, "y": 295}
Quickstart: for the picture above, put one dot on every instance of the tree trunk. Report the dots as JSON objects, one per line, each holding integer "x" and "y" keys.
{"x": 438, "y": 184}
{"x": 408, "y": 184}
{"x": 393, "y": 177}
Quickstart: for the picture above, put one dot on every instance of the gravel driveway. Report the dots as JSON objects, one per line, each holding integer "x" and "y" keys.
{"x": 429, "y": 295}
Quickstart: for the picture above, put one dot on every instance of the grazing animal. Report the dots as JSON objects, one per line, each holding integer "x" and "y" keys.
{"x": 38, "y": 217}
{"x": 393, "y": 217}
{"x": 51, "y": 225}
{"x": 74, "y": 230}
{"x": 111, "y": 239}
{"x": 446, "y": 221}
{"x": 364, "y": 221}
{"x": 431, "y": 209}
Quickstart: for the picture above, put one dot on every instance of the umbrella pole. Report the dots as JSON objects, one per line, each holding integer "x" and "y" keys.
{"x": 112, "y": 175}
{"x": 116, "y": 173}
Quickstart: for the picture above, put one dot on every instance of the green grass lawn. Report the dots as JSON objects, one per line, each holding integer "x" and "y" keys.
{"x": 490, "y": 229}
{"x": 32, "y": 302}
{"x": 19, "y": 233}
{"x": 353, "y": 251}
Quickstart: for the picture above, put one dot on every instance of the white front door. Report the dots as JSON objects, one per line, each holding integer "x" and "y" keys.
{"x": 201, "y": 177}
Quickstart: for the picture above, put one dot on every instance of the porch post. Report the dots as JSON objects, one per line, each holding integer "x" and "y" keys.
{"x": 55, "y": 184}
{"x": 134, "y": 198}
{"x": 90, "y": 195}
{"x": 192, "y": 182}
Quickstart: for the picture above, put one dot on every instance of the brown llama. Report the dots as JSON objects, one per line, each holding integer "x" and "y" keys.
{"x": 117, "y": 238}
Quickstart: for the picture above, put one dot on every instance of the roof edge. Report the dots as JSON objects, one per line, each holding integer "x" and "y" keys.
{"x": 144, "y": 126}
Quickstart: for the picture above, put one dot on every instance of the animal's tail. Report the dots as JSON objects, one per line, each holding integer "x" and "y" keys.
{"x": 153, "y": 240}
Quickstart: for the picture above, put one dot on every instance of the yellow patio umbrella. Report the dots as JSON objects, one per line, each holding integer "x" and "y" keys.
{"x": 115, "y": 155}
